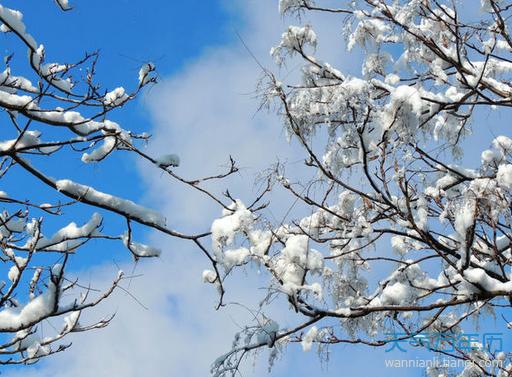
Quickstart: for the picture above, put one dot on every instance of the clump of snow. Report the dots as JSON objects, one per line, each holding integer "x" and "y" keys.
{"x": 12, "y": 319}
{"x": 480, "y": 277}
{"x": 292, "y": 41}
{"x": 10, "y": 82}
{"x": 297, "y": 251}
{"x": 145, "y": 73}
{"x": 140, "y": 249}
{"x": 232, "y": 220}
{"x": 261, "y": 240}
{"x": 421, "y": 216}
{"x": 209, "y": 276}
{"x": 50, "y": 71}
{"x": 488, "y": 156}
{"x": 37, "y": 350}
{"x": 464, "y": 218}
{"x": 368, "y": 31}
{"x": 486, "y": 5}
{"x": 13, "y": 21}
{"x": 71, "y": 320}
{"x": 124, "y": 206}
{"x": 68, "y": 238}
{"x": 392, "y": 79}
{"x": 398, "y": 244}
{"x": 294, "y": 260}
{"x": 109, "y": 144}
{"x": 406, "y": 107}
{"x": 27, "y": 139}
{"x": 395, "y": 294}
{"x": 10, "y": 225}
{"x": 112, "y": 132}
{"x": 14, "y": 271}
{"x": 64, "y": 4}
{"x": 315, "y": 288}
{"x": 168, "y": 160}
{"x": 116, "y": 97}
{"x": 504, "y": 176}
{"x": 235, "y": 257}
{"x": 503, "y": 144}
{"x": 309, "y": 338}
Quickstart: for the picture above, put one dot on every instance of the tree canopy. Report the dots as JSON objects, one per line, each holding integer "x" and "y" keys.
{"x": 404, "y": 240}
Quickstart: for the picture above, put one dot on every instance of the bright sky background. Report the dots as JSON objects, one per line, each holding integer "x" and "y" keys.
{"x": 203, "y": 109}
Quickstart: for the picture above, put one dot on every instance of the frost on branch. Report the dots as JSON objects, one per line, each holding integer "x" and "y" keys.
{"x": 399, "y": 234}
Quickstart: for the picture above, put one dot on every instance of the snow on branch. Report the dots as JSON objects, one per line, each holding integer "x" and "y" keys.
{"x": 397, "y": 233}
{"x": 51, "y": 120}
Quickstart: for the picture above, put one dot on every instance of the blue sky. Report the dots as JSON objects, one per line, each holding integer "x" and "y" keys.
{"x": 203, "y": 109}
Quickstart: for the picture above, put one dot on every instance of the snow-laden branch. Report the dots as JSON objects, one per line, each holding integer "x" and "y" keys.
{"x": 49, "y": 119}
{"x": 399, "y": 238}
